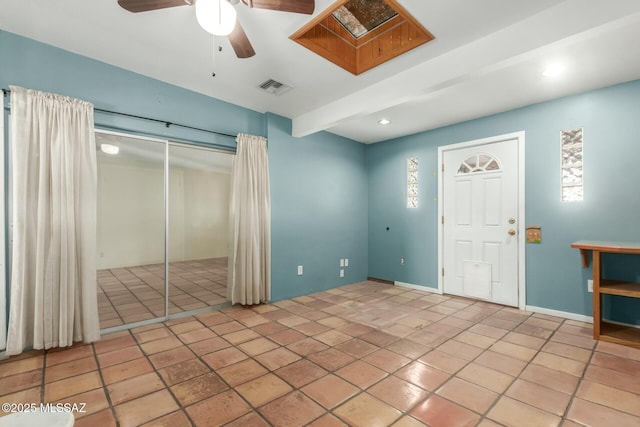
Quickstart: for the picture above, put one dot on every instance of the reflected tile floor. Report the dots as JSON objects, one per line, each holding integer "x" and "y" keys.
{"x": 133, "y": 294}
{"x": 361, "y": 355}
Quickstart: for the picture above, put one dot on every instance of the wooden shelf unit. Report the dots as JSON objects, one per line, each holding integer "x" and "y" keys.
{"x": 606, "y": 331}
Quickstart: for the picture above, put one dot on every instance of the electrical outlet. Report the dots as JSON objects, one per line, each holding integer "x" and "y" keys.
{"x": 589, "y": 285}
{"x": 341, "y": 273}
{"x": 300, "y": 270}
{"x": 401, "y": 261}
{"x": 346, "y": 262}
{"x": 341, "y": 262}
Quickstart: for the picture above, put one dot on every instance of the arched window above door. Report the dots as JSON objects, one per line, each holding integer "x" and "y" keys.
{"x": 479, "y": 163}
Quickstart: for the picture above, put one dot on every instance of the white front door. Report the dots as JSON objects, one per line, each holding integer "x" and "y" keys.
{"x": 480, "y": 221}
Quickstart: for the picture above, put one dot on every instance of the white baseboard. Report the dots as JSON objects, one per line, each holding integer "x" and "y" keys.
{"x": 416, "y": 287}
{"x": 558, "y": 313}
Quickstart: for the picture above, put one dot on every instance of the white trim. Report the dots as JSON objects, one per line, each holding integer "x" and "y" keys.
{"x": 520, "y": 137}
{"x": 558, "y": 313}
{"x": 416, "y": 287}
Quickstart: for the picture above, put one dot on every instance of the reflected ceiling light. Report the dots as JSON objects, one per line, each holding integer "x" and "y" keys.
{"x": 384, "y": 122}
{"x": 553, "y": 70}
{"x": 109, "y": 149}
{"x": 217, "y": 17}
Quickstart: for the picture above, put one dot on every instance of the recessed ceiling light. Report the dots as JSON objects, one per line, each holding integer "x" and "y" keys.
{"x": 384, "y": 122}
{"x": 109, "y": 149}
{"x": 553, "y": 70}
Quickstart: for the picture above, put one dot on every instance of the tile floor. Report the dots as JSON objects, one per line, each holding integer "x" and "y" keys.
{"x": 133, "y": 294}
{"x": 367, "y": 354}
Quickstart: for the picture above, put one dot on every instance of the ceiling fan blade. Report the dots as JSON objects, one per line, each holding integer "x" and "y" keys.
{"x": 295, "y": 6}
{"x": 240, "y": 42}
{"x": 146, "y": 5}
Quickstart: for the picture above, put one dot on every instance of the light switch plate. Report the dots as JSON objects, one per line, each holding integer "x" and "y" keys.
{"x": 300, "y": 270}
{"x": 346, "y": 262}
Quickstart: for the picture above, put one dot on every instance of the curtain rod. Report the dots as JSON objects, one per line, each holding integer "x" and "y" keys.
{"x": 134, "y": 116}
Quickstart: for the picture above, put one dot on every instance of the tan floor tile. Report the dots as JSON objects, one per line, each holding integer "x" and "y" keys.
{"x": 476, "y": 340}
{"x": 408, "y": 348}
{"x": 301, "y": 373}
{"x": 257, "y": 346}
{"x": 594, "y": 415}
{"x": 225, "y": 357}
{"x": 366, "y": 410}
{"x": 307, "y": 346}
{"x": 252, "y": 419}
{"x": 443, "y": 361}
{"x": 188, "y": 326}
{"x": 550, "y": 378}
{"x": 105, "y": 346}
{"x": 67, "y": 354}
{"x": 146, "y": 408}
{"x": 619, "y": 350}
{"x": 524, "y": 340}
{"x": 153, "y": 334}
{"x": 437, "y": 411}
{"x": 161, "y": 345}
{"x": 311, "y": 328}
{"x": 277, "y": 358}
{"x": 378, "y": 338}
{"x": 513, "y": 350}
{"x": 617, "y": 363}
{"x": 487, "y": 330}
{"x": 294, "y": 409}
{"x": 126, "y": 370}
{"x": 287, "y": 336}
{"x": 517, "y": 414}
{"x": 241, "y": 336}
{"x": 171, "y": 357}
{"x": 398, "y": 393}
{"x": 609, "y": 396}
{"x": 386, "y": 360}
{"x": 71, "y": 368}
{"x": 197, "y": 335}
{"x": 330, "y": 391}
{"x": 241, "y": 372}
{"x": 208, "y": 346}
{"x": 228, "y": 327}
{"x": 263, "y": 389}
{"x": 71, "y": 386}
{"x": 361, "y": 374}
{"x": 119, "y": 356}
{"x": 423, "y": 376}
{"x": 198, "y": 388}
{"x": 538, "y": 396}
{"x": 332, "y": 337}
{"x": 408, "y": 421}
{"x": 356, "y": 348}
{"x": 575, "y": 340}
{"x": 485, "y": 377}
{"x": 327, "y": 420}
{"x": 132, "y": 388}
{"x": 218, "y": 410}
{"x": 331, "y": 359}
{"x": 559, "y": 363}
{"x": 253, "y": 321}
{"x": 174, "y": 419}
{"x": 461, "y": 350}
{"x": 10, "y": 367}
{"x": 500, "y": 362}
{"x": 613, "y": 378}
{"x": 469, "y": 395}
{"x": 183, "y": 371}
{"x": 103, "y": 418}
{"x": 22, "y": 396}
{"x": 568, "y": 351}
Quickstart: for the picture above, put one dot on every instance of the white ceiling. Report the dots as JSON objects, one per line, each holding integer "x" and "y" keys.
{"x": 487, "y": 57}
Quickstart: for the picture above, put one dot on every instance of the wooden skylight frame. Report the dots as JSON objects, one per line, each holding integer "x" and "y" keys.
{"x": 327, "y": 37}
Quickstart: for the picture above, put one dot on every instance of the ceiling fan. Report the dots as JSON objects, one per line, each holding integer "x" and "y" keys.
{"x": 219, "y": 16}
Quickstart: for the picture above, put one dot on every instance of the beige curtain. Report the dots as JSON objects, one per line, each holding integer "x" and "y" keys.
{"x": 53, "y": 276}
{"x": 249, "y": 275}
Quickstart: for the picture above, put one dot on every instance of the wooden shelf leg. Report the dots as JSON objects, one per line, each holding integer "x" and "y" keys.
{"x": 597, "y": 298}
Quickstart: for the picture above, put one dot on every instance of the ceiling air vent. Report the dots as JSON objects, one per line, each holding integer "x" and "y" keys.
{"x": 274, "y": 87}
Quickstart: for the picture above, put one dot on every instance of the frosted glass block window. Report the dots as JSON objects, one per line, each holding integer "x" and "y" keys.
{"x": 572, "y": 165}
{"x": 412, "y": 182}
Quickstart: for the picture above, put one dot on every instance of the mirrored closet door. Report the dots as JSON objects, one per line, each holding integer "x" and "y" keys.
{"x": 163, "y": 213}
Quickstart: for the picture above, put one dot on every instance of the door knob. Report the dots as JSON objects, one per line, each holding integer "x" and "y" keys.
{"x": 512, "y": 220}
{"x": 512, "y": 232}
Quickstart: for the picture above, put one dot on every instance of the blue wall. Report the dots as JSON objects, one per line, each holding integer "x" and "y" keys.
{"x": 320, "y": 184}
{"x": 554, "y": 277}
{"x": 319, "y": 201}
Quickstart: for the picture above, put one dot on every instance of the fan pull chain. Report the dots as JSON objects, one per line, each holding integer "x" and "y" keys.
{"x": 213, "y": 58}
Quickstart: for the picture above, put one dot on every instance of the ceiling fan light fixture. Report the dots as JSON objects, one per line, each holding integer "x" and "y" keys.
{"x": 217, "y": 17}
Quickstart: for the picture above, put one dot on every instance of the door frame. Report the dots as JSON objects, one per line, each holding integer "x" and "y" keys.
{"x": 520, "y": 138}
